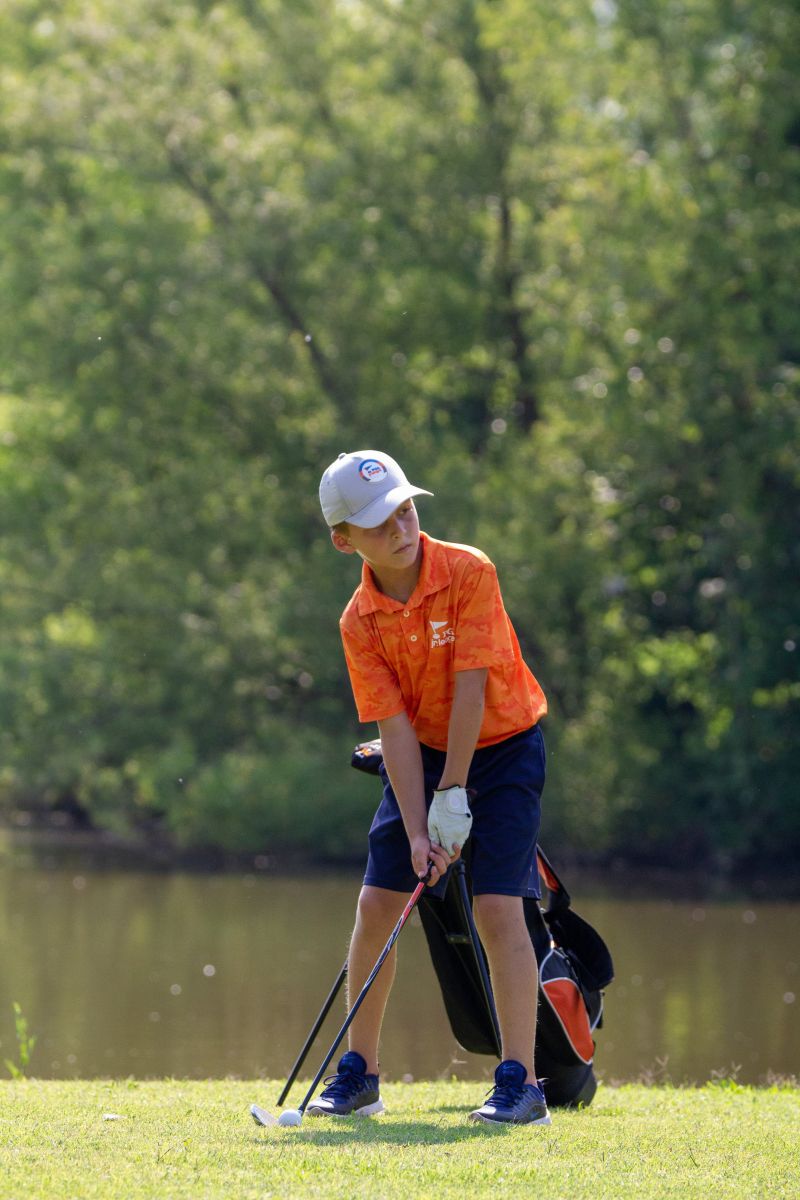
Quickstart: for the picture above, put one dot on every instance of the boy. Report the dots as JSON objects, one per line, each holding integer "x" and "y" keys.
{"x": 434, "y": 660}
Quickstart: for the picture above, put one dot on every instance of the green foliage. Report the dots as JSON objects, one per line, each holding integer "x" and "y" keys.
{"x": 25, "y": 1045}
{"x": 545, "y": 256}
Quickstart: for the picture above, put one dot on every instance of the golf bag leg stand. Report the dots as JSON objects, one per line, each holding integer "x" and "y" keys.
{"x": 460, "y": 871}
{"x": 301, "y": 1058}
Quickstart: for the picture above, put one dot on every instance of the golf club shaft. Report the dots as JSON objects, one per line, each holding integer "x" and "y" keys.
{"x": 418, "y": 890}
{"x": 301, "y": 1058}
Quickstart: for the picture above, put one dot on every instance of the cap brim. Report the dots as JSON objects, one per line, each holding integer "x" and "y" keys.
{"x": 378, "y": 511}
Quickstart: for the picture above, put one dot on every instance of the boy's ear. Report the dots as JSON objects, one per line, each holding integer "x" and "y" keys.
{"x": 342, "y": 542}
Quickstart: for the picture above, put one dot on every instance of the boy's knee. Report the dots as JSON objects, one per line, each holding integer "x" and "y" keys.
{"x": 498, "y": 915}
{"x": 379, "y": 907}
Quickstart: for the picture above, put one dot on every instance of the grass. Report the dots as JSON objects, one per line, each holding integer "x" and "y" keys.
{"x": 175, "y": 1139}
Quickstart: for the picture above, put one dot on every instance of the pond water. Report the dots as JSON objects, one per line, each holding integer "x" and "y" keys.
{"x": 139, "y": 973}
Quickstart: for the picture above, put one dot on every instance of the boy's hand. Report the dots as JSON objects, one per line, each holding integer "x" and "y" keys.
{"x": 449, "y": 819}
{"x": 423, "y": 851}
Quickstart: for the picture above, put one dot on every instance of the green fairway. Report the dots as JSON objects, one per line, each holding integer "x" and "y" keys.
{"x": 195, "y": 1139}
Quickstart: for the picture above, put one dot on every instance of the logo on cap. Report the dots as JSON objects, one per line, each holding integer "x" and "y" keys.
{"x": 372, "y": 471}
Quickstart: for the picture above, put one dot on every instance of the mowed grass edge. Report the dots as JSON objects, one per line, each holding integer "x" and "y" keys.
{"x": 172, "y": 1138}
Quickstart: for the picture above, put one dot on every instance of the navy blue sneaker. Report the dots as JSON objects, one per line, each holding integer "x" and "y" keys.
{"x": 350, "y": 1092}
{"x": 512, "y": 1101}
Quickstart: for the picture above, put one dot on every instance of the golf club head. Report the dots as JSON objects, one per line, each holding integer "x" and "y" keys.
{"x": 261, "y": 1116}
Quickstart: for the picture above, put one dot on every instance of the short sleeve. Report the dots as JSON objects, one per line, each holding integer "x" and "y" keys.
{"x": 483, "y": 637}
{"x": 376, "y": 689}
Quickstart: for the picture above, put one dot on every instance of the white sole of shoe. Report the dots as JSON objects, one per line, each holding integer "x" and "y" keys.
{"x": 369, "y": 1110}
{"x": 476, "y": 1116}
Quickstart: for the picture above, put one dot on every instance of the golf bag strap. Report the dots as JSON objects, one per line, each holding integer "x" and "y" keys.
{"x": 559, "y": 896}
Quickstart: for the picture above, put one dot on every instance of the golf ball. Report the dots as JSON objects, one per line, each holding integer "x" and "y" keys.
{"x": 290, "y": 1117}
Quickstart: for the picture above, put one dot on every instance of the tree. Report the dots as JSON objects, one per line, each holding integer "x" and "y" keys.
{"x": 543, "y": 256}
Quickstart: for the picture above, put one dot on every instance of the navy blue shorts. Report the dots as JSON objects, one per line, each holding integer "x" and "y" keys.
{"x": 508, "y": 779}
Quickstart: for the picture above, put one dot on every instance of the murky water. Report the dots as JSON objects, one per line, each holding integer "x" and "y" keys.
{"x": 124, "y": 972}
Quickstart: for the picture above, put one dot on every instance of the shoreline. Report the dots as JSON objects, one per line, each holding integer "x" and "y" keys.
{"x": 49, "y": 845}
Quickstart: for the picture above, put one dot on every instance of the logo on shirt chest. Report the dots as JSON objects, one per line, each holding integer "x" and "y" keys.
{"x": 443, "y": 634}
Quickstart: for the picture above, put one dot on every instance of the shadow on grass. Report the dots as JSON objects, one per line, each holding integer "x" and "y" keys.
{"x": 456, "y": 1108}
{"x": 346, "y": 1131}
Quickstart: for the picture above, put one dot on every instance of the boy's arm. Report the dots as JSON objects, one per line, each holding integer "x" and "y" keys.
{"x": 466, "y": 718}
{"x": 403, "y": 762}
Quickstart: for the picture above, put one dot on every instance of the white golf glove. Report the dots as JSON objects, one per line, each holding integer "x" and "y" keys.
{"x": 449, "y": 818}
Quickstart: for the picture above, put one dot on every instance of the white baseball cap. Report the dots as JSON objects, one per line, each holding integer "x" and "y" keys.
{"x": 364, "y": 488}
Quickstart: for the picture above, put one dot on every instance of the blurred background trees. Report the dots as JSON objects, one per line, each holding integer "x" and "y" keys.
{"x": 544, "y": 256}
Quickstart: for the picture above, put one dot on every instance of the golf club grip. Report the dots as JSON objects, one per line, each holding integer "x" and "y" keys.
{"x": 418, "y": 890}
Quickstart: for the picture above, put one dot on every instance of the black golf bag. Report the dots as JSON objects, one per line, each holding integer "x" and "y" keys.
{"x": 574, "y": 967}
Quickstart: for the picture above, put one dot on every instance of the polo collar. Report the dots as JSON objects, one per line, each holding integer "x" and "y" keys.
{"x": 434, "y": 575}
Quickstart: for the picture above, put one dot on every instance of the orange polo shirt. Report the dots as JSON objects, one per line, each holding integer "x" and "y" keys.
{"x": 404, "y": 657}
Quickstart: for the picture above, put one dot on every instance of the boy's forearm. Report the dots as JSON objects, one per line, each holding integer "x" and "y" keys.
{"x": 466, "y": 718}
{"x": 402, "y": 758}
{"x": 403, "y": 761}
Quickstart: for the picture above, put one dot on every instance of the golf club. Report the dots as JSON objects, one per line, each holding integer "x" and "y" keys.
{"x": 301, "y": 1058}
{"x": 294, "y": 1116}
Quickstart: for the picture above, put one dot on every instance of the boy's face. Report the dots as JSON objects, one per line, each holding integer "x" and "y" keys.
{"x": 392, "y": 546}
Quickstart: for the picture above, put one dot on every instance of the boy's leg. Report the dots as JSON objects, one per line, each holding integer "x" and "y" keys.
{"x": 508, "y": 779}
{"x": 378, "y": 912}
{"x": 516, "y": 1097}
{"x": 514, "y": 972}
{"x": 355, "y": 1087}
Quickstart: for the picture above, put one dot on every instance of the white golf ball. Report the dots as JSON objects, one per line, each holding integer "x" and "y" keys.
{"x": 290, "y": 1117}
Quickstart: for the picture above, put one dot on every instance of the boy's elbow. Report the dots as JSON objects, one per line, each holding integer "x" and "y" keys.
{"x": 395, "y": 728}
{"x": 473, "y": 682}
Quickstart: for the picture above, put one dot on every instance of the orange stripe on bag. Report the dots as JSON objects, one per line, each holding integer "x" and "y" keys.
{"x": 567, "y": 1003}
{"x": 551, "y": 880}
